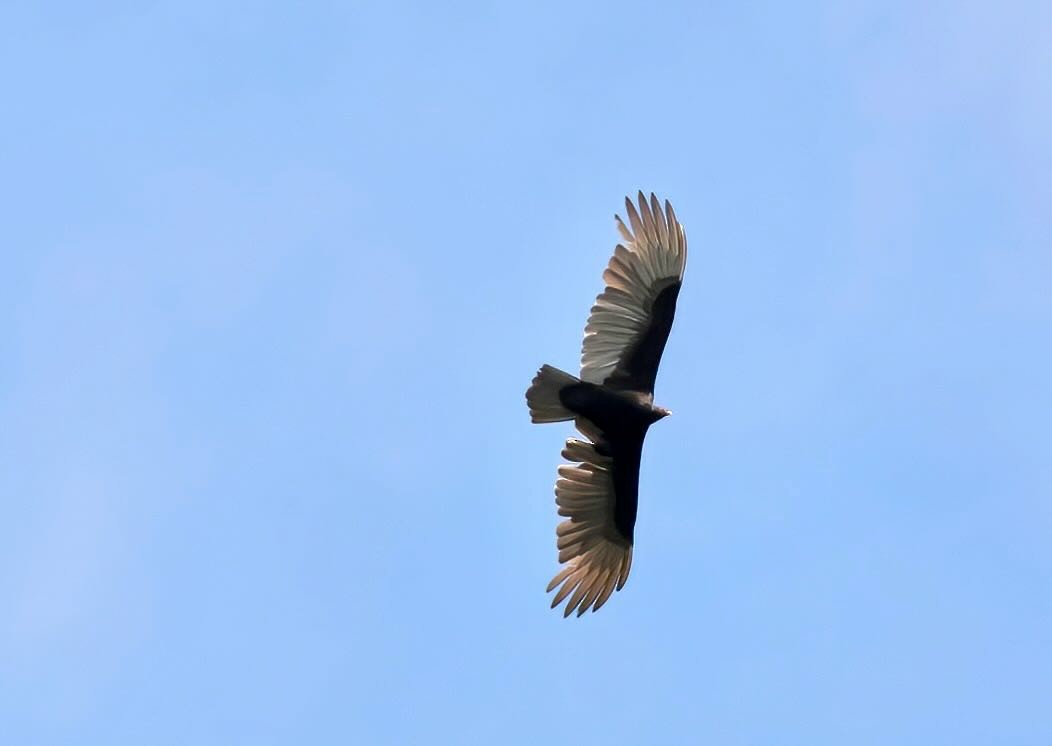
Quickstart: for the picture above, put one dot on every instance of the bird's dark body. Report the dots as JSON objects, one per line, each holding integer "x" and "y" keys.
{"x": 624, "y": 418}
{"x": 611, "y": 403}
{"x": 621, "y": 407}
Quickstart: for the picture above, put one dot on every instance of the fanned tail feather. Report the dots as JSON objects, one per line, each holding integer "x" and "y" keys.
{"x": 543, "y": 395}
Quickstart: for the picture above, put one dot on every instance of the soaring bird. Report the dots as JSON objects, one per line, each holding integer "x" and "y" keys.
{"x": 612, "y": 405}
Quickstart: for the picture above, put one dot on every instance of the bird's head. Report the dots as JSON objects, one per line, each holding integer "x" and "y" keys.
{"x": 661, "y": 413}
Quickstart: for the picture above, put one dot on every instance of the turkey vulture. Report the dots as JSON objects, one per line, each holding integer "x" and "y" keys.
{"x": 612, "y": 404}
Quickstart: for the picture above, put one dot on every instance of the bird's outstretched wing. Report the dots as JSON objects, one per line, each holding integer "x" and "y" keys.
{"x": 596, "y": 553}
{"x": 631, "y": 319}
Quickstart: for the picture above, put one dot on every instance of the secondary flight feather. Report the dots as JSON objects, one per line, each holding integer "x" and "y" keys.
{"x": 612, "y": 405}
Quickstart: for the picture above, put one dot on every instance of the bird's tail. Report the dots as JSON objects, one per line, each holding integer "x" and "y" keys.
{"x": 543, "y": 395}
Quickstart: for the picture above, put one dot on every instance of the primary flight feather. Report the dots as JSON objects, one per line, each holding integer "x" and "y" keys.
{"x": 612, "y": 404}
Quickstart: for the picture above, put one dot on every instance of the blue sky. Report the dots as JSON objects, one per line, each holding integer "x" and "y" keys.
{"x": 276, "y": 277}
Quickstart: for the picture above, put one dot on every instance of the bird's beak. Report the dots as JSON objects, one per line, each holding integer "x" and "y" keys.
{"x": 666, "y": 412}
